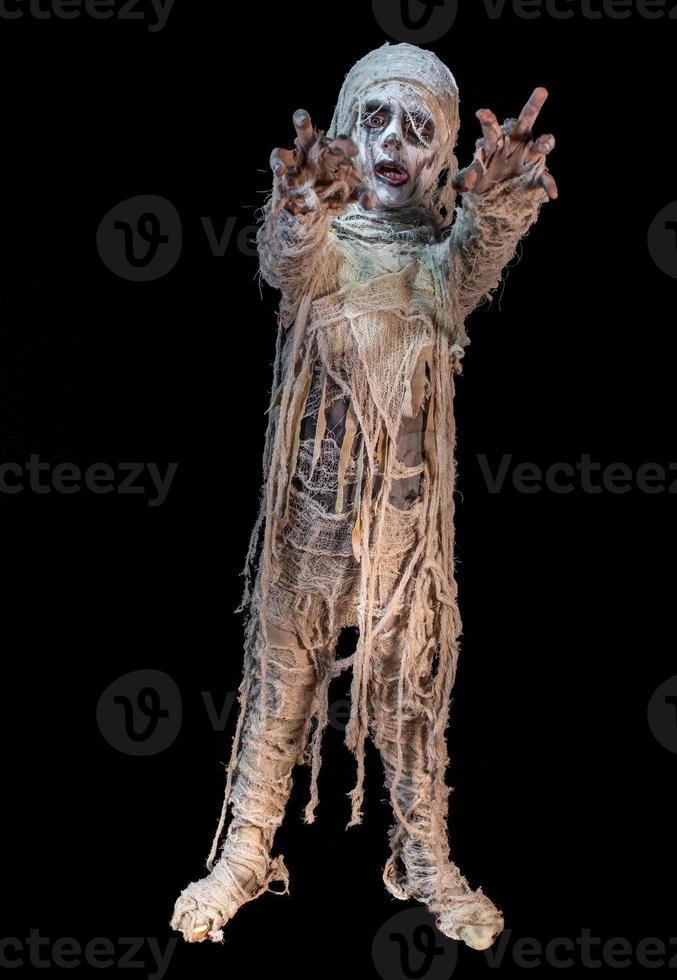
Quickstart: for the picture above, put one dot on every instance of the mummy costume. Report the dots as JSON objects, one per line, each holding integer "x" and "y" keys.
{"x": 377, "y": 270}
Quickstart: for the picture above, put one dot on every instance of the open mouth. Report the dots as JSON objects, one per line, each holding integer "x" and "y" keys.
{"x": 391, "y": 173}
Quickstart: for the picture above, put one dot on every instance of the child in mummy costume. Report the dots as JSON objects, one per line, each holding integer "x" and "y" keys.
{"x": 377, "y": 270}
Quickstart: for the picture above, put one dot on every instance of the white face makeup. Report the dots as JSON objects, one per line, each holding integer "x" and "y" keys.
{"x": 396, "y": 137}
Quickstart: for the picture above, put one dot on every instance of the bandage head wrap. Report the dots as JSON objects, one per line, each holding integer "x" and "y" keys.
{"x": 410, "y": 70}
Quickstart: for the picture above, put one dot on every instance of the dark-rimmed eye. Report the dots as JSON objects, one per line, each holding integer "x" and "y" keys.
{"x": 374, "y": 120}
{"x": 420, "y": 130}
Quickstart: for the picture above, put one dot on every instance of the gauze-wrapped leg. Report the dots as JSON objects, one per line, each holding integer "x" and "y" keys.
{"x": 419, "y": 866}
{"x": 271, "y": 744}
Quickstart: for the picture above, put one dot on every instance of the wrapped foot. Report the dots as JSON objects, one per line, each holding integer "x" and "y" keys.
{"x": 463, "y": 914}
{"x": 460, "y": 913}
{"x": 244, "y": 871}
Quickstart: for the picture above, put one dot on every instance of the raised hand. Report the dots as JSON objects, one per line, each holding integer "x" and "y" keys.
{"x": 510, "y": 151}
{"x": 319, "y": 172}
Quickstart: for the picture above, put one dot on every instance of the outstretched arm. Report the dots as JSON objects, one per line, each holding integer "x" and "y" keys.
{"x": 504, "y": 188}
{"x": 311, "y": 184}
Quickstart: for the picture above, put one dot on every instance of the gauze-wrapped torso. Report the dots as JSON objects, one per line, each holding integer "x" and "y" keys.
{"x": 363, "y": 428}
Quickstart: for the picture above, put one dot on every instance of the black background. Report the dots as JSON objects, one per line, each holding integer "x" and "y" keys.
{"x": 562, "y": 808}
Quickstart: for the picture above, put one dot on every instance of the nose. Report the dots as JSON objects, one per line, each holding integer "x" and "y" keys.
{"x": 391, "y": 140}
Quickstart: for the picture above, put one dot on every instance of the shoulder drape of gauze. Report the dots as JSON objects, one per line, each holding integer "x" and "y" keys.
{"x": 413, "y": 68}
